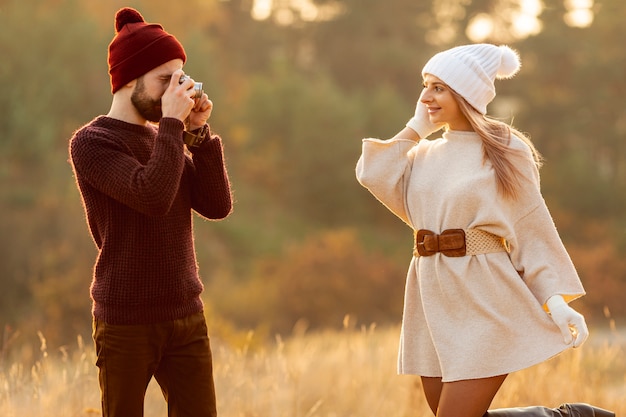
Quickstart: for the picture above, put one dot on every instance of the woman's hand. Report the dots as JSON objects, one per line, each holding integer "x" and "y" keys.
{"x": 421, "y": 123}
{"x": 571, "y": 323}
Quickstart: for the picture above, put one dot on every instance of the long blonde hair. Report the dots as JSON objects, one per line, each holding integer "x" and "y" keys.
{"x": 496, "y": 136}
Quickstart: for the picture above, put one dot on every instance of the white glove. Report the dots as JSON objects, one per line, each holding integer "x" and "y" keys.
{"x": 420, "y": 122}
{"x": 571, "y": 323}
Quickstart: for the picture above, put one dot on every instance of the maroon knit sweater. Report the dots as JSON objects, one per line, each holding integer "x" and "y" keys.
{"x": 138, "y": 188}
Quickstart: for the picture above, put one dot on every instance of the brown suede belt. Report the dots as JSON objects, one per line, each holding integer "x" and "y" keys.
{"x": 458, "y": 242}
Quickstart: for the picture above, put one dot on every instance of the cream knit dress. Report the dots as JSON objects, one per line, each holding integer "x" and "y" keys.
{"x": 473, "y": 316}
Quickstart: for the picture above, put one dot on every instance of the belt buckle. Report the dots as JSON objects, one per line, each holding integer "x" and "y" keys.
{"x": 451, "y": 242}
{"x": 420, "y": 245}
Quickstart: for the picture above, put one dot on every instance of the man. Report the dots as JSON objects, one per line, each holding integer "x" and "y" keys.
{"x": 138, "y": 187}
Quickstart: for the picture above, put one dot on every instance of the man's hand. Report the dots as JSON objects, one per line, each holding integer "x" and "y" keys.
{"x": 177, "y": 101}
{"x": 200, "y": 112}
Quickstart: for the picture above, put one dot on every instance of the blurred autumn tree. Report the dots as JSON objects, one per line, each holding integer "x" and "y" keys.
{"x": 295, "y": 88}
{"x": 320, "y": 279}
{"x": 574, "y": 111}
{"x": 49, "y": 86}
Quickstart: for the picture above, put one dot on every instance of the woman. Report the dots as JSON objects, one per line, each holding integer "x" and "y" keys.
{"x": 488, "y": 287}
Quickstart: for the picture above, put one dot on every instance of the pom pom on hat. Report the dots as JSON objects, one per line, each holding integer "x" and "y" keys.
{"x": 471, "y": 70}
{"x": 510, "y": 63}
{"x": 125, "y": 16}
{"x": 139, "y": 47}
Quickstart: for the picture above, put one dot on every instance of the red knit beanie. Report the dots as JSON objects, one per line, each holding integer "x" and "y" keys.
{"x": 138, "y": 47}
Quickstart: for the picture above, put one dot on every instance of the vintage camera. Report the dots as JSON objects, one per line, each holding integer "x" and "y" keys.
{"x": 196, "y": 86}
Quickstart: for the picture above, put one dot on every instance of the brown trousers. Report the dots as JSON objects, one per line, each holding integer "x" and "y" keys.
{"x": 177, "y": 353}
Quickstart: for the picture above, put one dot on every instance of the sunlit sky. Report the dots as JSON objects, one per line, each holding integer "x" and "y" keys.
{"x": 262, "y": 9}
{"x": 579, "y": 13}
{"x": 526, "y": 22}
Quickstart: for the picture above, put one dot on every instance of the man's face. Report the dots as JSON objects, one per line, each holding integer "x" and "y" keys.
{"x": 149, "y": 89}
{"x": 149, "y": 108}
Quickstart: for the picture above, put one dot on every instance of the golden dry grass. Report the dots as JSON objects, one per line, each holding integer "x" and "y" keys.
{"x": 349, "y": 373}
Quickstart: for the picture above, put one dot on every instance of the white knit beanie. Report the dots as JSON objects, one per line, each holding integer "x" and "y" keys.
{"x": 471, "y": 70}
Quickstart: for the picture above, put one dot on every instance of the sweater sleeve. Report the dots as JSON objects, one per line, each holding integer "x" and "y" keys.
{"x": 210, "y": 189}
{"x": 109, "y": 167}
{"x": 537, "y": 252}
{"x": 384, "y": 168}
{"x": 540, "y": 257}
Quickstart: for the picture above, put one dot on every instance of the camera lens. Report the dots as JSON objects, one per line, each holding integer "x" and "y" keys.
{"x": 197, "y": 86}
{"x": 199, "y": 91}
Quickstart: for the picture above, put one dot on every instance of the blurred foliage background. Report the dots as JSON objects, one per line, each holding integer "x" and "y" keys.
{"x": 296, "y": 85}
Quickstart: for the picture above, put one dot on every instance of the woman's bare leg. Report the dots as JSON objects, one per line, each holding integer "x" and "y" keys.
{"x": 468, "y": 398}
{"x": 432, "y": 391}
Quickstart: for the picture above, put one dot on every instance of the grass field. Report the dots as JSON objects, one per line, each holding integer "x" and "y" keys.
{"x": 349, "y": 373}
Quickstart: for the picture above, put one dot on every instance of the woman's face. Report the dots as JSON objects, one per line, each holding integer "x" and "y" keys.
{"x": 441, "y": 104}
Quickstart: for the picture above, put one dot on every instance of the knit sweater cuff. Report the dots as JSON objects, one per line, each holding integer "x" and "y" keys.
{"x": 171, "y": 126}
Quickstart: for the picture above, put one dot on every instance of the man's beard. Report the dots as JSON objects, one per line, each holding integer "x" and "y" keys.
{"x": 147, "y": 107}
